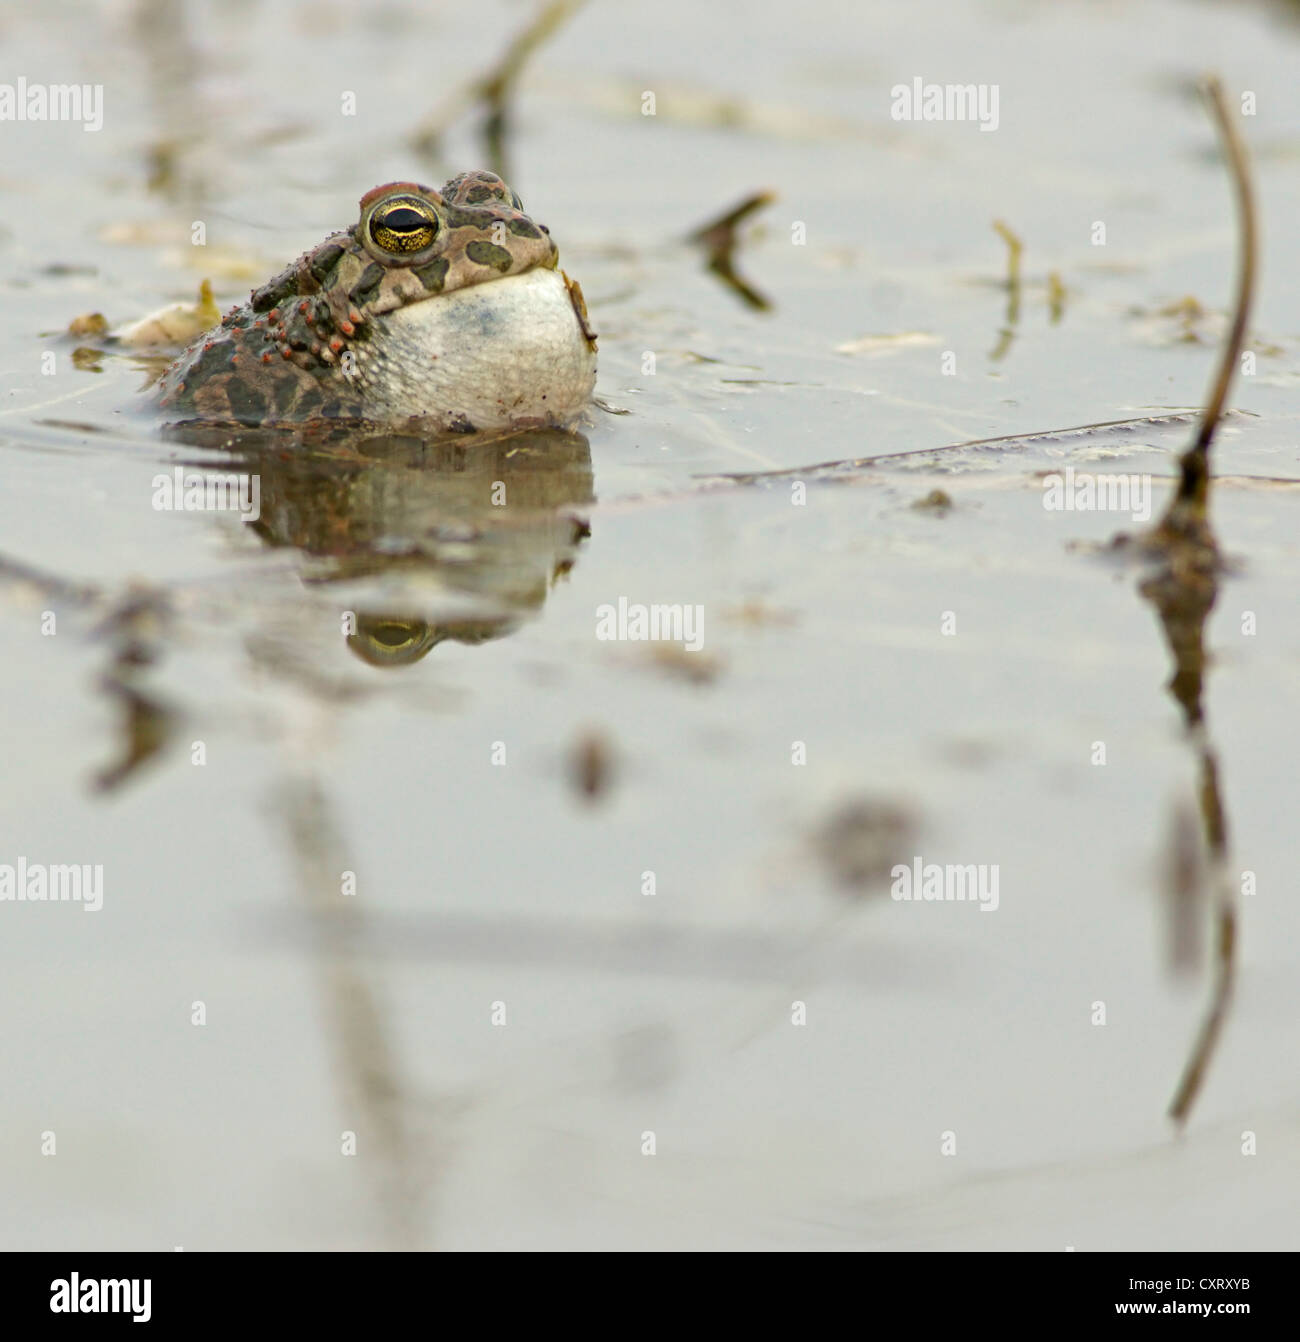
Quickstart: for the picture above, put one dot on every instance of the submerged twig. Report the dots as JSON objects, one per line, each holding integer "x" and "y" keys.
{"x": 722, "y": 236}
{"x": 1004, "y": 442}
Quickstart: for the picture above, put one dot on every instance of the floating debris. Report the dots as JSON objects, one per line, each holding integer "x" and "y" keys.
{"x": 698, "y": 668}
{"x": 936, "y": 501}
{"x": 87, "y": 359}
{"x": 862, "y": 841}
{"x": 758, "y": 615}
{"x": 1181, "y": 322}
{"x": 176, "y": 324}
{"x": 887, "y": 344}
{"x": 93, "y": 324}
{"x": 702, "y": 106}
{"x": 591, "y": 764}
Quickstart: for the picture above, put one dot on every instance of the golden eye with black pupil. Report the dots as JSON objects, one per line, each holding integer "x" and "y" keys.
{"x": 403, "y": 225}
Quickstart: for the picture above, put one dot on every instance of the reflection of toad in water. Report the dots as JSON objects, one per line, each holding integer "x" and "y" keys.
{"x": 481, "y": 521}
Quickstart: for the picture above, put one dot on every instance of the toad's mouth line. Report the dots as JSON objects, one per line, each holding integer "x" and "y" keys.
{"x": 502, "y": 284}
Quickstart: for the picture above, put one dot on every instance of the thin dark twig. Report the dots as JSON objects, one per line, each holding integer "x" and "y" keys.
{"x": 1195, "y": 462}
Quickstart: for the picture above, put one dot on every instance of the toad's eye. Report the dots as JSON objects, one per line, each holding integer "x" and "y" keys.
{"x": 403, "y": 225}
{"x": 516, "y": 202}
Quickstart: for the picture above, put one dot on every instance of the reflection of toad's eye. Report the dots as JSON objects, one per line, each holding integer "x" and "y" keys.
{"x": 388, "y": 640}
{"x": 403, "y": 225}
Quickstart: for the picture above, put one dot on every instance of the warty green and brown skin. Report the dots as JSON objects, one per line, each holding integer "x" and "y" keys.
{"x": 280, "y": 356}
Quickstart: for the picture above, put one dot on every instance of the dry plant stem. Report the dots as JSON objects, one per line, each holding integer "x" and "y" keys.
{"x": 1194, "y": 487}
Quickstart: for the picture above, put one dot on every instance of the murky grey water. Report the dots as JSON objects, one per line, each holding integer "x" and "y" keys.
{"x": 432, "y": 753}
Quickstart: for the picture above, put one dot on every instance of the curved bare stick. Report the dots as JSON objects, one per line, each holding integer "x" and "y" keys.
{"x": 1194, "y": 487}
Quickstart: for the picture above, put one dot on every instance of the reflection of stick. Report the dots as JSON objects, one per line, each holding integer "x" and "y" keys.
{"x": 1189, "y": 1085}
{"x": 1014, "y": 249}
{"x": 1194, "y": 487}
{"x": 374, "y": 1087}
{"x": 1056, "y": 292}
